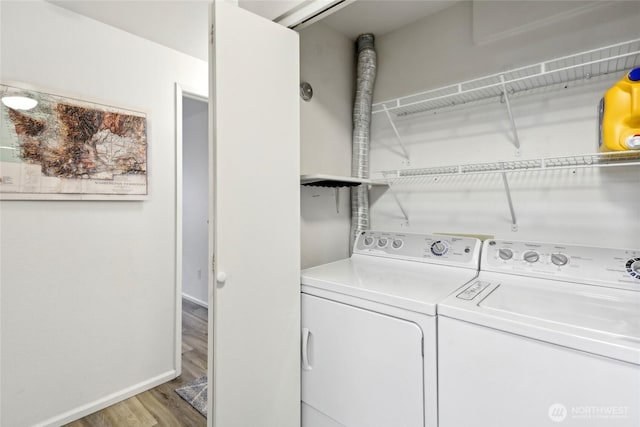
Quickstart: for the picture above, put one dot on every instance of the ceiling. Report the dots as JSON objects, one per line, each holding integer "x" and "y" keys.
{"x": 381, "y": 16}
{"x": 178, "y": 24}
{"x": 182, "y": 24}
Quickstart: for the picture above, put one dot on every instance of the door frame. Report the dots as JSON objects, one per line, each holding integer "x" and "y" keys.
{"x": 180, "y": 92}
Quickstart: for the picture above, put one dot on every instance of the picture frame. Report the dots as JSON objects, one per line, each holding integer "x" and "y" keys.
{"x": 58, "y": 148}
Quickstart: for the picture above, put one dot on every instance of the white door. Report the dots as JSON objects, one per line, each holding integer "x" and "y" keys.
{"x": 359, "y": 368}
{"x": 254, "y": 335}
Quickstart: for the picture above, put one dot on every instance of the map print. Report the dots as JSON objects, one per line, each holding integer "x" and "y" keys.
{"x": 70, "y": 147}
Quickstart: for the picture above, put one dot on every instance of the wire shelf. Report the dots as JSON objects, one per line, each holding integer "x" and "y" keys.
{"x": 578, "y": 67}
{"x": 320, "y": 180}
{"x": 617, "y": 158}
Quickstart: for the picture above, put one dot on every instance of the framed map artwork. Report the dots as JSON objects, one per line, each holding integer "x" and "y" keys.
{"x": 54, "y": 148}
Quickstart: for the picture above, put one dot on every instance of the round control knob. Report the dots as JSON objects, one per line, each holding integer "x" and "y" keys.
{"x": 439, "y": 248}
{"x": 531, "y": 257}
{"x": 633, "y": 267}
{"x": 505, "y": 254}
{"x": 368, "y": 241}
{"x": 397, "y": 244}
{"x": 559, "y": 259}
{"x": 382, "y": 243}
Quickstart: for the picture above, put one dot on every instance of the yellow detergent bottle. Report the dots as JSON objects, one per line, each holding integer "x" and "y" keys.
{"x": 620, "y": 115}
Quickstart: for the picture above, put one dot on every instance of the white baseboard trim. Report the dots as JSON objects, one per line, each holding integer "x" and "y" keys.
{"x": 98, "y": 404}
{"x": 195, "y": 300}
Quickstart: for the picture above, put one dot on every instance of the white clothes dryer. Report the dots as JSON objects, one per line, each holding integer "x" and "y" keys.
{"x": 369, "y": 329}
{"x": 547, "y": 335}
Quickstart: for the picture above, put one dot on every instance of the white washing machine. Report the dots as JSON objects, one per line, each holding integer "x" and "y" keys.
{"x": 369, "y": 329}
{"x": 547, "y": 335}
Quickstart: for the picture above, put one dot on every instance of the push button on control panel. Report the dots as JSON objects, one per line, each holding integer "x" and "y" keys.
{"x": 633, "y": 267}
{"x": 472, "y": 291}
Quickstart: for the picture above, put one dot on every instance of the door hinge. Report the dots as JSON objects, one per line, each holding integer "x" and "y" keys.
{"x": 211, "y": 35}
{"x": 213, "y": 263}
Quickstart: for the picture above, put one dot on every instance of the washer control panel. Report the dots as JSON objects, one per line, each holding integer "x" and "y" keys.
{"x": 616, "y": 267}
{"x": 437, "y": 249}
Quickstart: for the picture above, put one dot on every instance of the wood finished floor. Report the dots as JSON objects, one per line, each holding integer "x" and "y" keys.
{"x": 161, "y": 406}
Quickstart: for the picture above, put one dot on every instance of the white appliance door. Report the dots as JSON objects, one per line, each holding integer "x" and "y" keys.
{"x": 254, "y": 329}
{"x": 359, "y": 368}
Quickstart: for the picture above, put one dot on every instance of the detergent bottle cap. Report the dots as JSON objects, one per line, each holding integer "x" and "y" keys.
{"x": 634, "y": 75}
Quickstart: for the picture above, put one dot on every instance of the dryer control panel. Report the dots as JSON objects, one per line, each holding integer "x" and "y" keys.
{"x": 430, "y": 248}
{"x": 586, "y": 264}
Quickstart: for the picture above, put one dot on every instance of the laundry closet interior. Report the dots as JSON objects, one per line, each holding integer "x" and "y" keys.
{"x": 485, "y": 123}
{"x": 459, "y": 48}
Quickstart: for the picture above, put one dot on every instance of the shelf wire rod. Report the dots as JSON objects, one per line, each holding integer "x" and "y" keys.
{"x": 505, "y": 181}
{"x": 395, "y": 196}
{"x": 516, "y": 138}
{"x": 395, "y": 130}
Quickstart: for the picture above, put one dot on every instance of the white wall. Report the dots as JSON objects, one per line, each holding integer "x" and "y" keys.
{"x": 587, "y": 206}
{"x": 327, "y": 62}
{"x": 440, "y": 49}
{"x": 88, "y": 288}
{"x": 195, "y": 200}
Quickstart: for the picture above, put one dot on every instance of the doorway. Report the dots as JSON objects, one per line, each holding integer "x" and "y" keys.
{"x": 192, "y": 230}
{"x": 195, "y": 196}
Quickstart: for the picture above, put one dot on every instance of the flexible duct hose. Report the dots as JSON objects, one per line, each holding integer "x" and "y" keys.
{"x": 366, "y": 76}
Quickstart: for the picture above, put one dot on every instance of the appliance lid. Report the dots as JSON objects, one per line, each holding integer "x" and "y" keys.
{"x": 611, "y": 313}
{"x": 604, "y": 321}
{"x": 404, "y": 284}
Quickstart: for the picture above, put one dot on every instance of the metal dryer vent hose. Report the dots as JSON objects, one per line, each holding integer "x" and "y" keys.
{"x": 365, "y": 79}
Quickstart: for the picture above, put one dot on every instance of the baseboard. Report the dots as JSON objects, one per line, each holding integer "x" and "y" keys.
{"x": 195, "y": 300}
{"x": 96, "y": 405}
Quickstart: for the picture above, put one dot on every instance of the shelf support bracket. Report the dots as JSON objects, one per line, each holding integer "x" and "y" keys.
{"x": 514, "y": 129}
{"x": 395, "y": 197}
{"x": 398, "y": 137}
{"x": 505, "y": 181}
